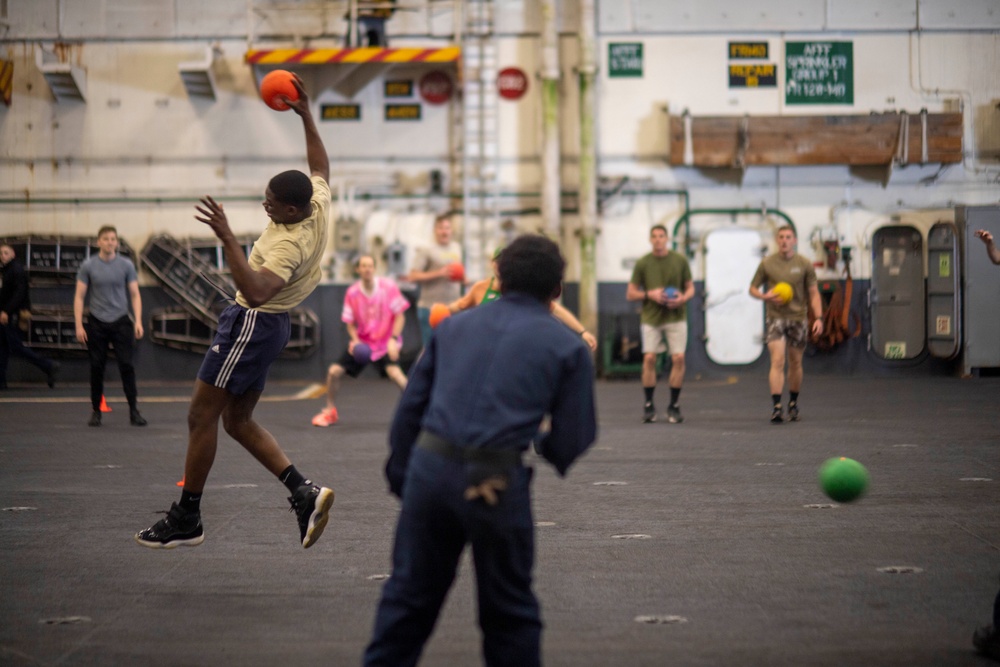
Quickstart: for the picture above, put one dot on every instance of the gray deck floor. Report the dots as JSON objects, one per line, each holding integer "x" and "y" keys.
{"x": 731, "y": 545}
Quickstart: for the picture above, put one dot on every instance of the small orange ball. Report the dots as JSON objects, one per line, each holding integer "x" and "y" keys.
{"x": 275, "y": 86}
{"x": 439, "y": 312}
{"x": 456, "y": 272}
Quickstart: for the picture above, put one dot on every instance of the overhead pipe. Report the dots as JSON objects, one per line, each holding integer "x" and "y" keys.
{"x": 970, "y": 158}
{"x": 367, "y": 196}
{"x": 551, "y": 183}
{"x": 685, "y": 221}
{"x": 588, "y": 306}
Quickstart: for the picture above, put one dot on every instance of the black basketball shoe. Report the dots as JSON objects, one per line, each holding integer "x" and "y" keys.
{"x": 177, "y": 529}
{"x": 311, "y": 504}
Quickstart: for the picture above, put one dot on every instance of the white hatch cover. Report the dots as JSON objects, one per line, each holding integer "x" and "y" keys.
{"x": 734, "y": 321}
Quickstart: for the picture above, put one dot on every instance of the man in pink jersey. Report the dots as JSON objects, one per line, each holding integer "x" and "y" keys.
{"x": 374, "y": 312}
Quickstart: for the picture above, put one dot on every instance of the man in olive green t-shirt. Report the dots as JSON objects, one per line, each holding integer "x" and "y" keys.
{"x": 662, "y": 281}
{"x": 787, "y": 322}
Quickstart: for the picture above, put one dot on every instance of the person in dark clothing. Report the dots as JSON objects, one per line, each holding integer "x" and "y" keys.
{"x": 474, "y": 403}
{"x": 987, "y": 638}
{"x": 371, "y": 23}
{"x": 14, "y": 298}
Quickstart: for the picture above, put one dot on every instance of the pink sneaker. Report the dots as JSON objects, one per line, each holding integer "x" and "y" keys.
{"x": 327, "y": 417}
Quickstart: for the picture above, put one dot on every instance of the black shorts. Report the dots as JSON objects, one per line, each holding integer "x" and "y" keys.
{"x": 353, "y": 368}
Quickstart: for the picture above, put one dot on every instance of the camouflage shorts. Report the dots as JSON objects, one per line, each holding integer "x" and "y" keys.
{"x": 795, "y": 331}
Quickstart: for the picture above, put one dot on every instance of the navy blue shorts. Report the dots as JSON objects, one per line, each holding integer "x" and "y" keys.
{"x": 245, "y": 345}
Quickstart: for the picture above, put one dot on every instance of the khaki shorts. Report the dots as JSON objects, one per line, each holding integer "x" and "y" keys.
{"x": 671, "y": 338}
{"x": 795, "y": 331}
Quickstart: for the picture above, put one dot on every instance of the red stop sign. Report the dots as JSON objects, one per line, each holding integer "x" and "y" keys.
{"x": 435, "y": 87}
{"x": 512, "y": 83}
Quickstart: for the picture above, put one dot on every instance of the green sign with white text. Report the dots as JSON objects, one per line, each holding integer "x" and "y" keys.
{"x": 819, "y": 73}
{"x": 625, "y": 59}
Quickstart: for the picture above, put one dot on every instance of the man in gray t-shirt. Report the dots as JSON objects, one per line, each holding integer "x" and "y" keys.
{"x": 432, "y": 270}
{"x": 111, "y": 283}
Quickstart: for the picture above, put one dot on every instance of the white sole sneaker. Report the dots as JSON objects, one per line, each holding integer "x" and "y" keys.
{"x": 319, "y": 517}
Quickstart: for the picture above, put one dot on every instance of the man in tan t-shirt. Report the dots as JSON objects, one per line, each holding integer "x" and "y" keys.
{"x": 431, "y": 269}
{"x": 283, "y": 269}
{"x": 787, "y": 322}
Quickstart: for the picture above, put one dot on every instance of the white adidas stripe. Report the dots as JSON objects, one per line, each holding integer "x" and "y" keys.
{"x": 234, "y": 354}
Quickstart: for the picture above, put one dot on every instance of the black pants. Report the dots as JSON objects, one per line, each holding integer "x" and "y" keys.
{"x": 121, "y": 335}
{"x": 11, "y": 345}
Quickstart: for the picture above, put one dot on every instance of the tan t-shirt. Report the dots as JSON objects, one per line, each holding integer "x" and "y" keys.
{"x": 293, "y": 253}
{"x": 797, "y": 272}
{"x": 439, "y": 290}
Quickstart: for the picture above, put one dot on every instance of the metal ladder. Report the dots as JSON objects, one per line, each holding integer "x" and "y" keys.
{"x": 477, "y": 135}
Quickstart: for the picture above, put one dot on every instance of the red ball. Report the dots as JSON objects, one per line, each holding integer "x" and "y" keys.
{"x": 439, "y": 312}
{"x": 278, "y": 84}
{"x": 456, "y": 272}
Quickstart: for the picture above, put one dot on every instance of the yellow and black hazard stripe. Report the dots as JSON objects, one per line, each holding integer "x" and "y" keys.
{"x": 351, "y": 56}
{"x": 7, "y": 80}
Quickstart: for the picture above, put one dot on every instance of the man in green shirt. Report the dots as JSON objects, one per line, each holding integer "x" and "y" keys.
{"x": 662, "y": 281}
{"x": 787, "y": 321}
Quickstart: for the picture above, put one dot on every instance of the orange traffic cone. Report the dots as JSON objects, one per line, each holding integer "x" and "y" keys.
{"x": 181, "y": 483}
{"x": 104, "y": 405}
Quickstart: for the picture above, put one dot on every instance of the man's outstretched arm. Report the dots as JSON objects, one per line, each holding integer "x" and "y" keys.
{"x": 319, "y": 161}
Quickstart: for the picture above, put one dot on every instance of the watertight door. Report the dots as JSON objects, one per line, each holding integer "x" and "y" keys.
{"x": 734, "y": 321}
{"x": 896, "y": 297}
{"x": 980, "y": 290}
{"x": 943, "y": 279}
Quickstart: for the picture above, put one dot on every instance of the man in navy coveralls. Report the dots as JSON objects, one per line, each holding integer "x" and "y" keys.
{"x": 473, "y": 405}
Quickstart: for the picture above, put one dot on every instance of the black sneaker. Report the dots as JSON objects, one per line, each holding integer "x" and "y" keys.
{"x": 674, "y": 414}
{"x": 177, "y": 529}
{"x": 776, "y": 417}
{"x": 136, "y": 418}
{"x": 311, "y": 504}
{"x": 793, "y": 412}
{"x": 95, "y": 418}
{"x": 648, "y": 413}
{"x": 987, "y": 641}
